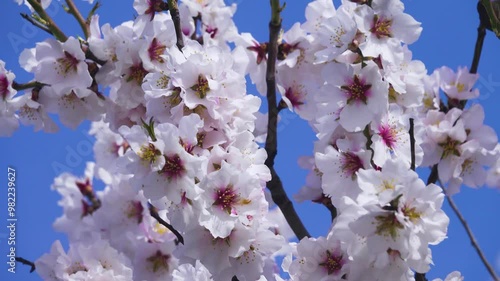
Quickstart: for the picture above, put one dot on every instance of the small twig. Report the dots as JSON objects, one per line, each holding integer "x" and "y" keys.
{"x": 96, "y": 6}
{"x": 51, "y": 25}
{"x": 281, "y": 105}
{"x": 481, "y": 34}
{"x": 29, "y": 85}
{"x": 78, "y": 16}
{"x": 26, "y": 262}
{"x": 472, "y": 238}
{"x": 412, "y": 144}
{"x": 154, "y": 213}
{"x": 174, "y": 12}
{"x": 275, "y": 185}
{"x": 36, "y": 23}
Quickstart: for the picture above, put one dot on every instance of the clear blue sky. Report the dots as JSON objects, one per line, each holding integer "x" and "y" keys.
{"x": 448, "y": 39}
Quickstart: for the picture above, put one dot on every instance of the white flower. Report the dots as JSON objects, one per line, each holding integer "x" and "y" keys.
{"x": 189, "y": 272}
{"x": 320, "y": 259}
{"x": 391, "y": 138}
{"x": 339, "y": 168}
{"x": 63, "y": 66}
{"x": 458, "y": 85}
{"x": 454, "y": 276}
{"x": 230, "y": 197}
{"x": 361, "y": 94}
{"x": 8, "y": 104}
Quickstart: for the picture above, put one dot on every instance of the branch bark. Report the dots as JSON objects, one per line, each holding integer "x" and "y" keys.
{"x": 78, "y": 16}
{"x": 472, "y": 238}
{"x": 26, "y": 262}
{"x": 36, "y": 23}
{"x": 275, "y": 185}
{"x": 153, "y": 211}
{"x": 174, "y": 12}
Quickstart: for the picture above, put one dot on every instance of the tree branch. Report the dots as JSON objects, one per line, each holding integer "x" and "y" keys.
{"x": 472, "y": 238}
{"x": 412, "y": 144}
{"x": 154, "y": 213}
{"x": 174, "y": 12}
{"x": 78, "y": 16}
{"x": 29, "y": 85}
{"x": 36, "y": 23}
{"x": 26, "y": 262}
{"x": 434, "y": 176}
{"x": 275, "y": 185}
{"x": 51, "y": 25}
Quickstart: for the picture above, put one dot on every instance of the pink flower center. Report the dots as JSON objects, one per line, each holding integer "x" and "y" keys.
{"x": 212, "y": 31}
{"x": 450, "y": 147}
{"x": 225, "y": 198}
{"x": 136, "y": 73}
{"x": 381, "y": 27}
{"x": 357, "y": 90}
{"x": 67, "y": 64}
{"x": 201, "y": 88}
{"x": 159, "y": 261}
{"x": 351, "y": 163}
{"x": 155, "y": 50}
{"x": 260, "y": 49}
{"x": 155, "y": 6}
{"x": 388, "y": 135}
{"x": 332, "y": 263}
{"x": 174, "y": 168}
{"x": 294, "y": 96}
{"x": 134, "y": 210}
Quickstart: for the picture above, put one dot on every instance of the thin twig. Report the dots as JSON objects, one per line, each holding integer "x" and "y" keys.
{"x": 154, "y": 213}
{"x": 472, "y": 238}
{"x": 412, "y": 144}
{"x": 51, "y": 25}
{"x": 29, "y": 85}
{"x": 78, "y": 16}
{"x": 434, "y": 176}
{"x": 174, "y": 12}
{"x": 275, "y": 185}
{"x": 26, "y": 262}
{"x": 36, "y": 23}
{"x": 411, "y": 132}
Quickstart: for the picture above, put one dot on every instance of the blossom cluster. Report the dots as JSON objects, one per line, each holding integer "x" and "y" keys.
{"x": 177, "y": 140}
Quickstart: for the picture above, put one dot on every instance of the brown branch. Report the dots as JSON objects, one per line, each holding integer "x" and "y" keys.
{"x": 275, "y": 185}
{"x": 472, "y": 238}
{"x": 26, "y": 262}
{"x": 154, "y": 213}
{"x": 174, "y": 12}
{"x": 29, "y": 85}
{"x": 434, "y": 176}
{"x": 72, "y": 9}
{"x": 51, "y": 25}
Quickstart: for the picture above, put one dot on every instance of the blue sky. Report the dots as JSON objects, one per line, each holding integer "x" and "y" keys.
{"x": 448, "y": 39}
